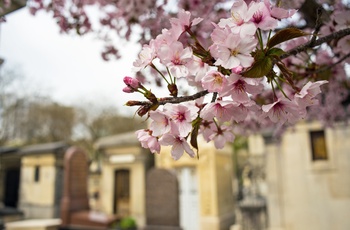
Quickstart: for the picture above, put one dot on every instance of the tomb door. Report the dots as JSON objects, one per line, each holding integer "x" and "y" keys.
{"x": 11, "y": 187}
{"x": 189, "y": 201}
{"x": 122, "y": 192}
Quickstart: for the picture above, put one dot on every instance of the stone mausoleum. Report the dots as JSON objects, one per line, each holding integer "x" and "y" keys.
{"x": 41, "y": 180}
{"x": 123, "y": 176}
{"x": 206, "y": 186}
{"x": 307, "y": 176}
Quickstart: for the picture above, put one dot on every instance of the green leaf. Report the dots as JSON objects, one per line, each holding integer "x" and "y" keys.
{"x": 261, "y": 66}
{"x": 194, "y": 134}
{"x": 275, "y": 52}
{"x": 285, "y": 35}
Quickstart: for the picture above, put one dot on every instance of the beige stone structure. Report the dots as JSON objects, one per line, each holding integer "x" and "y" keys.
{"x": 41, "y": 180}
{"x": 123, "y": 176}
{"x": 308, "y": 178}
{"x": 206, "y": 188}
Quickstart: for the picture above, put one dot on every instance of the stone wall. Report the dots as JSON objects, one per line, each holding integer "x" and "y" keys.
{"x": 307, "y": 194}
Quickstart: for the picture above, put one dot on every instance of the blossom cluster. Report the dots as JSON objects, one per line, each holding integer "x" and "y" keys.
{"x": 235, "y": 69}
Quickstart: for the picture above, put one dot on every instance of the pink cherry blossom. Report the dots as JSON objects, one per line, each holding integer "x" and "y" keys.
{"x": 277, "y": 12}
{"x": 239, "y": 88}
{"x": 145, "y": 57}
{"x": 207, "y": 128}
{"x": 307, "y": 94}
{"x": 342, "y": 19}
{"x": 219, "y": 34}
{"x": 164, "y": 39}
{"x": 175, "y": 57}
{"x": 182, "y": 23}
{"x": 182, "y": 116}
{"x": 261, "y": 17}
{"x": 343, "y": 46}
{"x": 281, "y": 111}
{"x": 234, "y": 52}
{"x": 221, "y": 136}
{"x": 214, "y": 81}
{"x": 240, "y": 20}
{"x": 178, "y": 145}
{"x": 160, "y": 123}
{"x": 221, "y": 110}
{"x": 197, "y": 70}
{"x": 148, "y": 141}
{"x": 242, "y": 110}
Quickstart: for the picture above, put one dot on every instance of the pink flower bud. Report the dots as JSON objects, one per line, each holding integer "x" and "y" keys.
{"x": 132, "y": 82}
{"x": 127, "y": 89}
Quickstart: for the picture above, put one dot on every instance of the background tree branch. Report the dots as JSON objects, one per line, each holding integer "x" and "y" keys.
{"x": 334, "y": 36}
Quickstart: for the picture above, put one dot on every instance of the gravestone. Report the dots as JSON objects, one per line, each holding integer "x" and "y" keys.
{"x": 162, "y": 200}
{"x": 75, "y": 210}
{"x": 75, "y": 197}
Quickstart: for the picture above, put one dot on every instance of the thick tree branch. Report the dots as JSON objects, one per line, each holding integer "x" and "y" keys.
{"x": 336, "y": 35}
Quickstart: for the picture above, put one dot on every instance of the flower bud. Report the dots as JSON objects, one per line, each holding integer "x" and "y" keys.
{"x": 143, "y": 110}
{"x": 173, "y": 90}
{"x": 132, "y": 103}
{"x": 132, "y": 82}
{"x": 127, "y": 89}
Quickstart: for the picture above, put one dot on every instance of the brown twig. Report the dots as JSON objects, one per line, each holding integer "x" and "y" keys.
{"x": 317, "y": 26}
{"x": 336, "y": 35}
{"x": 172, "y": 100}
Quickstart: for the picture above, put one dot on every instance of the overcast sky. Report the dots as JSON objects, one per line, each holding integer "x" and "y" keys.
{"x": 69, "y": 68}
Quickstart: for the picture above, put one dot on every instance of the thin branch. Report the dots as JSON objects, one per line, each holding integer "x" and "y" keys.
{"x": 215, "y": 95}
{"x": 333, "y": 64}
{"x": 163, "y": 101}
{"x": 172, "y": 100}
{"x": 317, "y": 26}
{"x": 336, "y": 35}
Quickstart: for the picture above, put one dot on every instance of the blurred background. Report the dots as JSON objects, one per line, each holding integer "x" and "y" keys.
{"x": 57, "y": 92}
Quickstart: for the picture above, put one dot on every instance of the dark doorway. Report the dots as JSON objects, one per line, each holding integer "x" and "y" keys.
{"x": 11, "y": 187}
{"x": 122, "y": 192}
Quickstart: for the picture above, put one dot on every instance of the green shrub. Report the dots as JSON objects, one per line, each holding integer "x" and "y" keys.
{"x": 127, "y": 223}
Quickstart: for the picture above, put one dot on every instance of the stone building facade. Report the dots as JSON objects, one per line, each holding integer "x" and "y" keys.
{"x": 123, "y": 176}
{"x": 41, "y": 182}
{"x": 307, "y": 176}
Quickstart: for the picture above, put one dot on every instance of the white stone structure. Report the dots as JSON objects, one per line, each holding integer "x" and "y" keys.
{"x": 308, "y": 178}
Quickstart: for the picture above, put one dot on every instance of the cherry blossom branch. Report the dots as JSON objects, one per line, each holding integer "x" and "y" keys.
{"x": 336, "y": 35}
{"x": 312, "y": 43}
{"x": 172, "y": 100}
{"x": 163, "y": 101}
